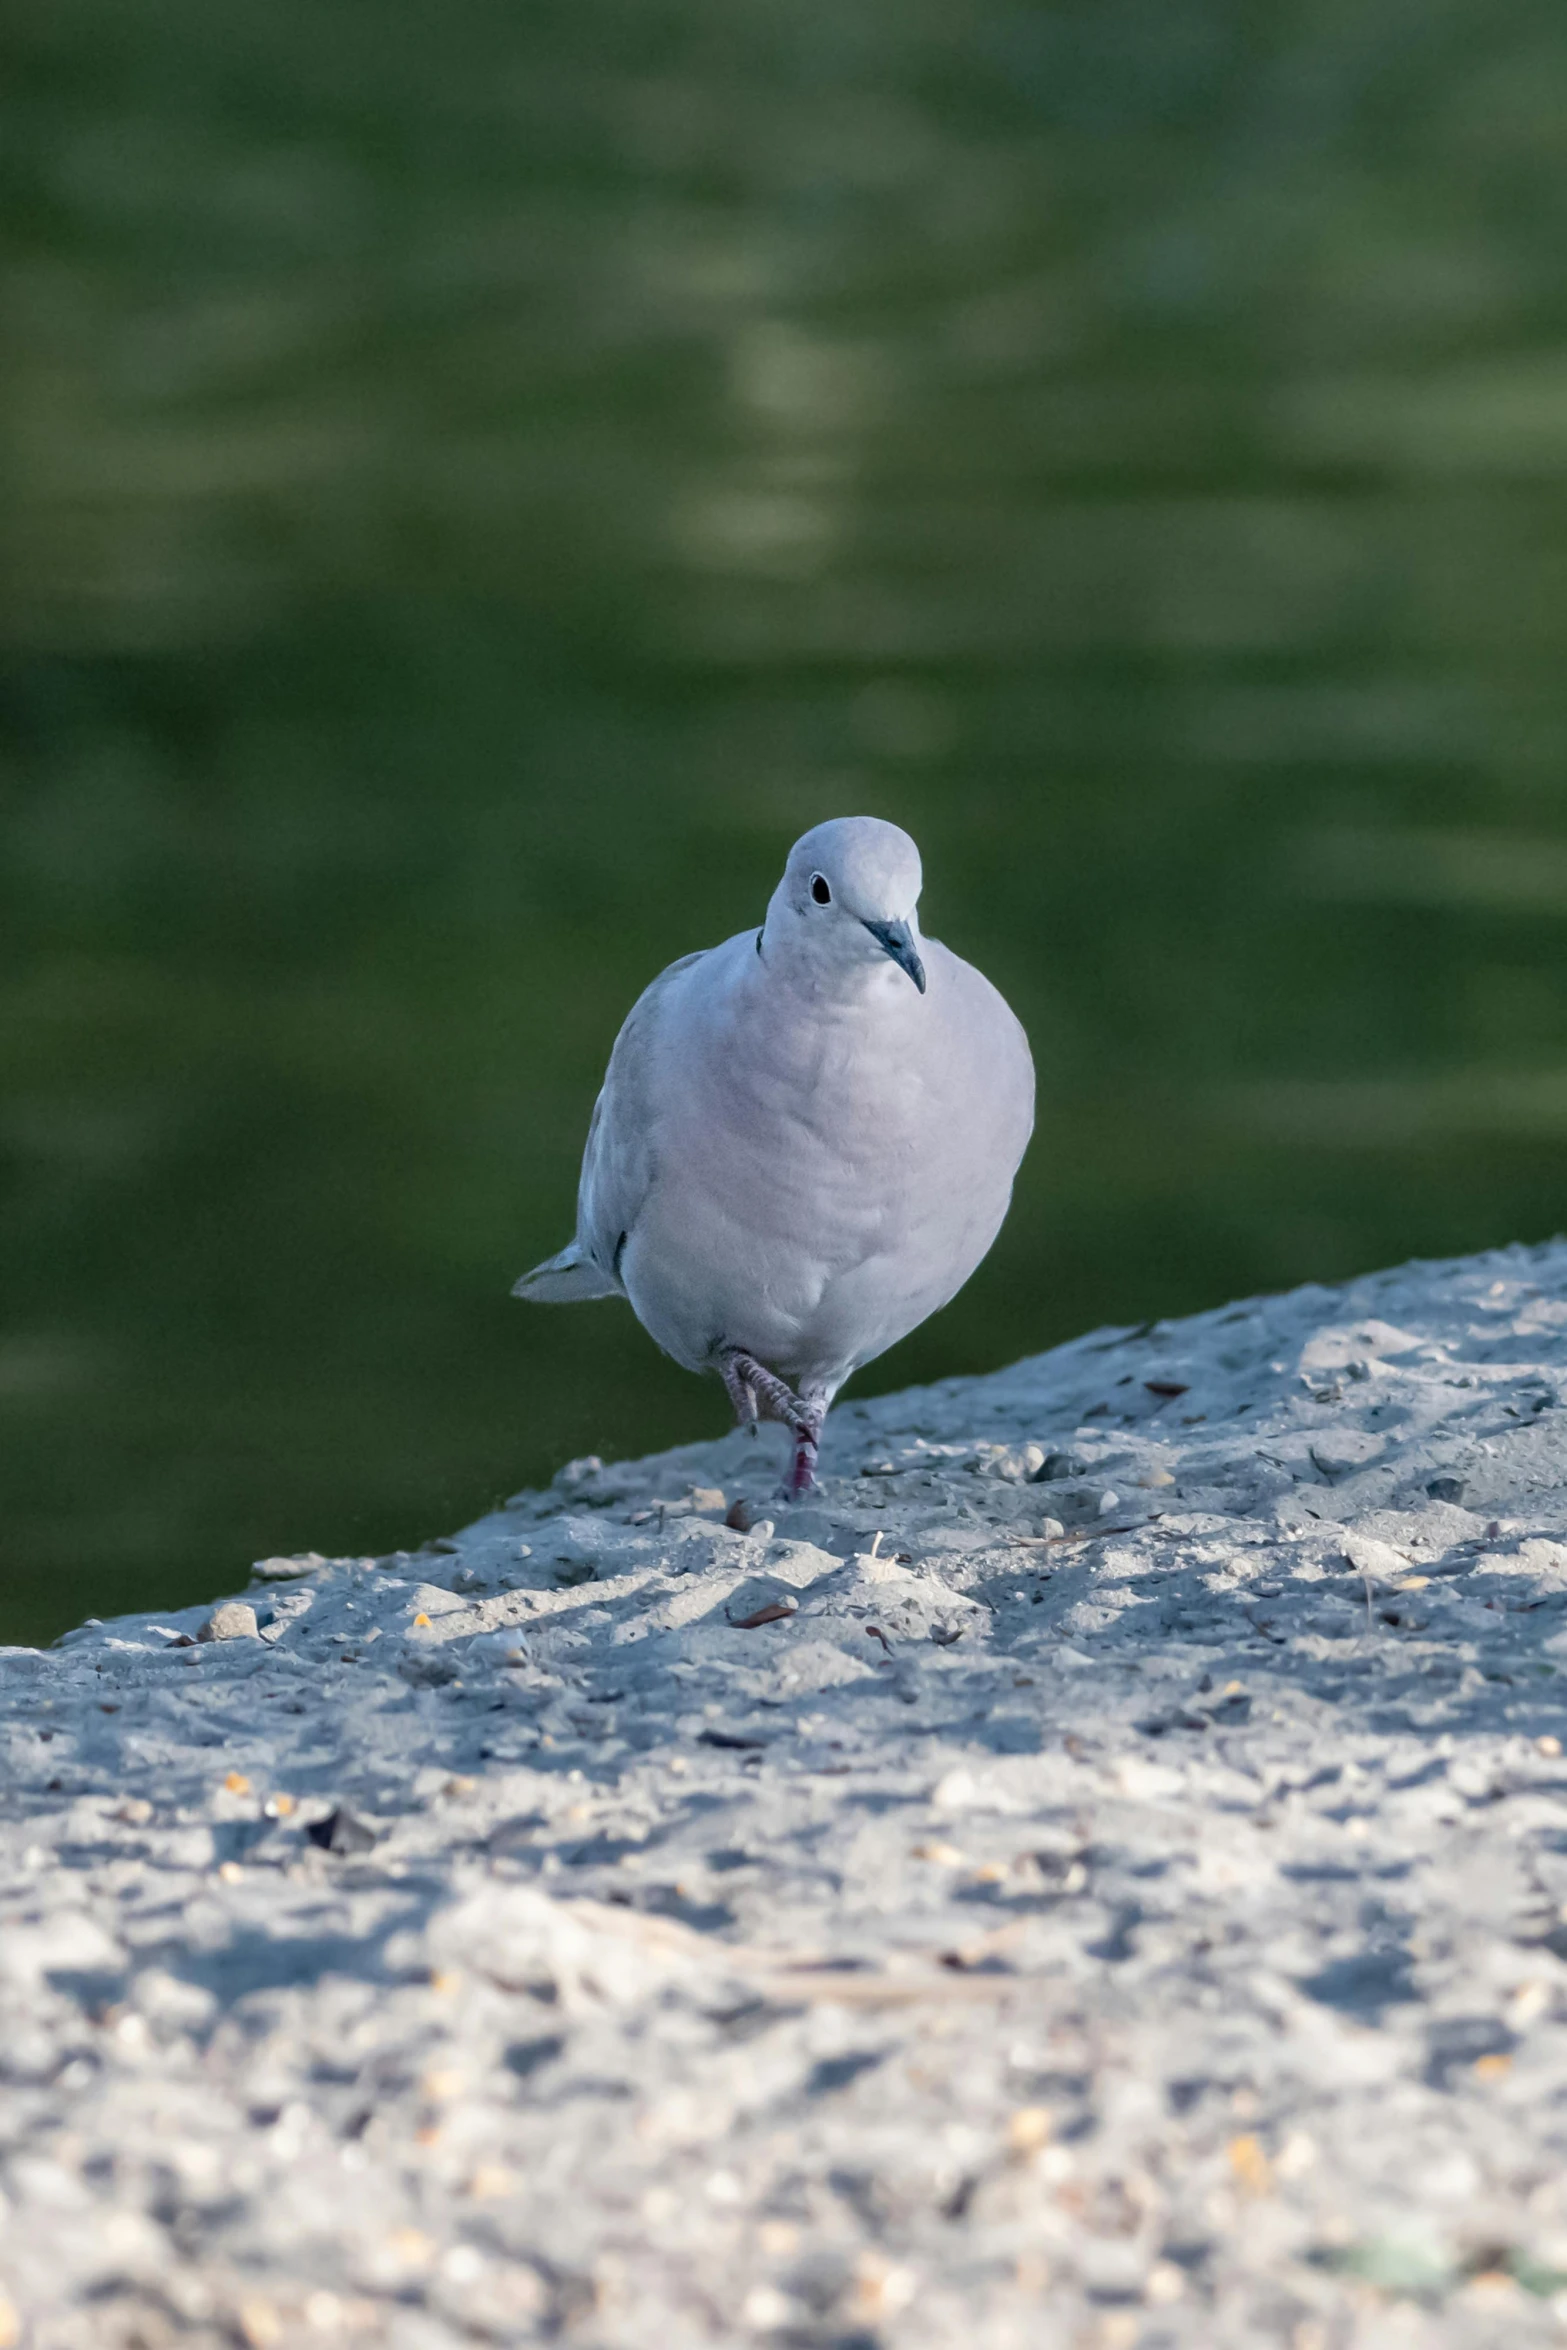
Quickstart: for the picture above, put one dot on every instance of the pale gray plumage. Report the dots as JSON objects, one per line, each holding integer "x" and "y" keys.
{"x": 806, "y": 1138}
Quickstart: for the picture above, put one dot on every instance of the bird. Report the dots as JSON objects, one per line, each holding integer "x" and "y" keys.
{"x": 805, "y": 1141}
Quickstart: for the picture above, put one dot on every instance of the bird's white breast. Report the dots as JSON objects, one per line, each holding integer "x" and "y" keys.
{"x": 828, "y": 1166}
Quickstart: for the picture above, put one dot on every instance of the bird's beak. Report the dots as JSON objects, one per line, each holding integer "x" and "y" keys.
{"x": 895, "y": 939}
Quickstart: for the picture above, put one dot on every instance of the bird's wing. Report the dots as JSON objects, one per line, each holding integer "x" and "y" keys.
{"x": 618, "y": 1162}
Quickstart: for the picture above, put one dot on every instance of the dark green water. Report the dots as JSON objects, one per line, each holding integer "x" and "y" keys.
{"x": 479, "y": 481}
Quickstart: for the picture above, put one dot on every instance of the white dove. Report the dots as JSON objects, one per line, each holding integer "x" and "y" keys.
{"x": 806, "y": 1138}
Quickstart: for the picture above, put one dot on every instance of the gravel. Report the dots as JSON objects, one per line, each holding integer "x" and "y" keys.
{"x": 904, "y": 1919}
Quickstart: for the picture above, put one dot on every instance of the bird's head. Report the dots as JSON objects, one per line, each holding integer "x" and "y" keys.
{"x": 848, "y": 899}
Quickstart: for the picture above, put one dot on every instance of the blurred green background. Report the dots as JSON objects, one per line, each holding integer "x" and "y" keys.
{"x": 478, "y": 481}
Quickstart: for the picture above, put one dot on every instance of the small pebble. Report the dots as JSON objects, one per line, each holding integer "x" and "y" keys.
{"x": 1057, "y": 1464}
{"x": 766, "y": 2309}
{"x": 578, "y": 1472}
{"x": 232, "y": 1621}
{"x": 342, "y": 1831}
{"x": 1252, "y": 2171}
{"x": 491, "y": 2181}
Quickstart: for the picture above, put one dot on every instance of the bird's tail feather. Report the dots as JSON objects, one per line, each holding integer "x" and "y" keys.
{"x": 564, "y": 1278}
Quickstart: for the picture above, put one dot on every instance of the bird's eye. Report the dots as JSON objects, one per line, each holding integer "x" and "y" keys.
{"x": 819, "y": 890}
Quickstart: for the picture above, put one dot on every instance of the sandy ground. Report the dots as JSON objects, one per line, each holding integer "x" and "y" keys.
{"x": 1098, "y": 1877}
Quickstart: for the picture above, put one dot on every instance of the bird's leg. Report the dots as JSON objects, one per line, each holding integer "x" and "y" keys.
{"x": 807, "y": 1440}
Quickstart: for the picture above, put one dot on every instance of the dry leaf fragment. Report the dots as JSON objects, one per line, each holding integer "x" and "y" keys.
{"x": 773, "y": 1613}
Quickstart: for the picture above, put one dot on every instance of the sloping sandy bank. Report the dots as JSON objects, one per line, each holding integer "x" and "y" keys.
{"x": 1124, "y": 1905}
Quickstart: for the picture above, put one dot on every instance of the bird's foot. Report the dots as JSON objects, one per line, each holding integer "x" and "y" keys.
{"x": 742, "y": 1395}
{"x": 759, "y": 1394}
